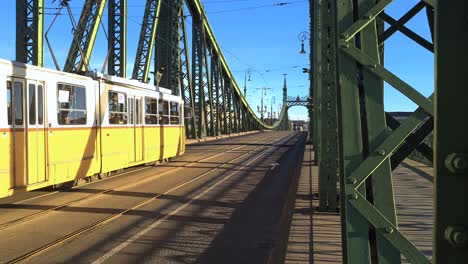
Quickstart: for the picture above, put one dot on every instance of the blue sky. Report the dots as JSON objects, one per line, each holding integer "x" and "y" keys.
{"x": 259, "y": 37}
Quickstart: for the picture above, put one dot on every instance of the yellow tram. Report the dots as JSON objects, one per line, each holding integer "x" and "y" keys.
{"x": 58, "y": 127}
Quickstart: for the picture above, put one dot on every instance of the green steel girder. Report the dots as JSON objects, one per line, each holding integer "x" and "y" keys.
{"x": 413, "y": 142}
{"x": 225, "y": 108}
{"x": 326, "y": 87}
{"x": 369, "y": 228}
{"x": 198, "y": 74}
{"x": 167, "y": 45}
{"x": 215, "y": 77}
{"x": 198, "y": 14}
{"x": 188, "y": 94}
{"x": 117, "y": 43}
{"x": 451, "y": 145}
{"x": 208, "y": 86}
{"x": 30, "y": 31}
{"x": 84, "y": 37}
{"x": 141, "y": 68}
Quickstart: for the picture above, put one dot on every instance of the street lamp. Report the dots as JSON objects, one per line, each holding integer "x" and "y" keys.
{"x": 303, "y": 36}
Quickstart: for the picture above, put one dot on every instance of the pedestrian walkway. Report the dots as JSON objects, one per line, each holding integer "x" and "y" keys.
{"x": 314, "y": 237}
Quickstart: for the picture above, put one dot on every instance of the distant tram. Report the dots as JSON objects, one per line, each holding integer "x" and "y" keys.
{"x": 58, "y": 127}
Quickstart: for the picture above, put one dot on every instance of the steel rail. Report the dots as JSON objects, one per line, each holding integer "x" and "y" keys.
{"x": 112, "y": 217}
{"x": 118, "y": 187}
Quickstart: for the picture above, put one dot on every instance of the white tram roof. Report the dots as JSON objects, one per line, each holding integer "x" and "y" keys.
{"x": 89, "y": 75}
{"x": 135, "y": 84}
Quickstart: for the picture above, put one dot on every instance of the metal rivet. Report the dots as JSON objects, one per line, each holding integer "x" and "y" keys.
{"x": 456, "y": 236}
{"x": 381, "y": 152}
{"x": 351, "y": 180}
{"x": 388, "y": 230}
{"x": 456, "y": 162}
{"x": 344, "y": 45}
{"x": 353, "y": 196}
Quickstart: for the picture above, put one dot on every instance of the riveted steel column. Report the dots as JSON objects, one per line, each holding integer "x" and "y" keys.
{"x": 167, "y": 42}
{"x": 198, "y": 58}
{"x": 215, "y": 77}
{"x": 208, "y": 97}
{"x": 188, "y": 93}
{"x": 328, "y": 141}
{"x": 30, "y": 31}
{"x": 117, "y": 43}
{"x": 451, "y": 144}
{"x": 375, "y": 124}
{"x": 224, "y": 106}
{"x": 85, "y": 36}
{"x": 229, "y": 106}
{"x": 355, "y": 230}
{"x": 141, "y": 68}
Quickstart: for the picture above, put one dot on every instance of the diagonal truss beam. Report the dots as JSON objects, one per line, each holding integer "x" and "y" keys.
{"x": 84, "y": 37}
{"x": 141, "y": 68}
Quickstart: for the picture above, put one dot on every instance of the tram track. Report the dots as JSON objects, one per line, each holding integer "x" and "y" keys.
{"x": 115, "y": 188}
{"x": 94, "y": 225}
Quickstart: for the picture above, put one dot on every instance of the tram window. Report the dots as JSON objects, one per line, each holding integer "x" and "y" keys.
{"x": 151, "y": 111}
{"x": 9, "y": 102}
{"x": 18, "y": 102}
{"x": 32, "y": 103}
{"x": 117, "y": 108}
{"x": 138, "y": 111}
{"x": 163, "y": 112}
{"x": 174, "y": 113}
{"x": 40, "y": 105}
{"x": 71, "y": 105}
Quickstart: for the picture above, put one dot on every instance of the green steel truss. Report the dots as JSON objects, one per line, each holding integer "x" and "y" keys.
{"x": 141, "y": 68}
{"x": 352, "y": 129}
{"x": 214, "y": 104}
{"x": 84, "y": 37}
{"x": 185, "y": 76}
{"x": 220, "y": 107}
{"x": 167, "y": 59}
{"x": 117, "y": 25}
{"x": 30, "y": 31}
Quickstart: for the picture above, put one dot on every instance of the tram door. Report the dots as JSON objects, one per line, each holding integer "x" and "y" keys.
{"x": 27, "y": 101}
{"x": 35, "y": 132}
{"x": 136, "y": 133}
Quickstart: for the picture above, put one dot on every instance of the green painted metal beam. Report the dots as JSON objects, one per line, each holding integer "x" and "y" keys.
{"x": 141, "y": 68}
{"x": 84, "y": 37}
{"x": 30, "y": 31}
{"x": 197, "y": 11}
{"x": 188, "y": 93}
{"x": 451, "y": 145}
{"x": 354, "y": 226}
{"x": 327, "y": 89}
{"x": 167, "y": 42}
{"x": 117, "y": 43}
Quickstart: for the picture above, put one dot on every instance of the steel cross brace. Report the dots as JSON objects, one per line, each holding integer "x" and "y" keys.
{"x": 85, "y": 36}
{"x": 359, "y": 165}
{"x": 146, "y": 41}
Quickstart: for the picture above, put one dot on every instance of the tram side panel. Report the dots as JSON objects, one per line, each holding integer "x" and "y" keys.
{"x": 116, "y": 144}
{"x": 5, "y": 140}
{"x": 73, "y": 134}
